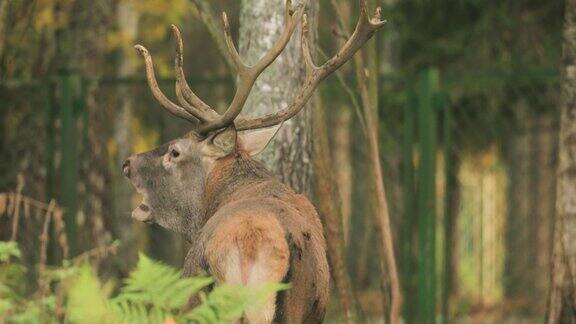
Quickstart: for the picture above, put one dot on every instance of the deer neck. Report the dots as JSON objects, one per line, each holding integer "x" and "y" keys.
{"x": 229, "y": 176}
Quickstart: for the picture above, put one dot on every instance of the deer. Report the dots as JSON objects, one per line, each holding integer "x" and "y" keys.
{"x": 244, "y": 226}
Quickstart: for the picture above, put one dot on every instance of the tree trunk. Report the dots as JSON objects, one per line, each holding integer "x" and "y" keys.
{"x": 327, "y": 202}
{"x": 367, "y": 74}
{"x": 289, "y": 154}
{"x": 81, "y": 50}
{"x": 546, "y": 146}
{"x": 531, "y": 199}
{"x": 520, "y": 272}
{"x": 343, "y": 166}
{"x": 3, "y": 17}
{"x": 123, "y": 225}
{"x": 368, "y": 87}
{"x": 562, "y": 302}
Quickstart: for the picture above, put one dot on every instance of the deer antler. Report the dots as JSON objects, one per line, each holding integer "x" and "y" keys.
{"x": 192, "y": 107}
{"x": 248, "y": 74}
{"x": 187, "y": 98}
{"x": 364, "y": 30}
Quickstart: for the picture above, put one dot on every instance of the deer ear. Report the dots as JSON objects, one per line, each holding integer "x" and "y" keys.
{"x": 255, "y": 141}
{"x": 222, "y": 143}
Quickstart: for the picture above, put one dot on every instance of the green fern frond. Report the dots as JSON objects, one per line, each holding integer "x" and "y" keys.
{"x": 229, "y": 302}
{"x": 86, "y": 302}
{"x": 153, "y": 293}
{"x": 159, "y": 285}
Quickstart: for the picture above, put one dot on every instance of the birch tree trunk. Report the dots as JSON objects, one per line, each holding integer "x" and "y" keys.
{"x": 562, "y": 302}
{"x": 289, "y": 154}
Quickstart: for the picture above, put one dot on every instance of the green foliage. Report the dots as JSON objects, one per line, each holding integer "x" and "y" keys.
{"x": 86, "y": 299}
{"x": 153, "y": 282}
{"x": 154, "y": 290}
{"x": 12, "y": 288}
{"x": 11, "y": 275}
{"x": 227, "y": 303}
{"x": 152, "y": 293}
{"x": 9, "y": 249}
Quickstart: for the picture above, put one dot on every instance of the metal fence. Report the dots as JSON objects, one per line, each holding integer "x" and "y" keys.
{"x": 470, "y": 162}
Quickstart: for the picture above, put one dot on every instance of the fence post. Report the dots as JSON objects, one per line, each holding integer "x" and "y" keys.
{"x": 68, "y": 85}
{"x": 409, "y": 220}
{"x": 449, "y": 217}
{"x": 426, "y": 196}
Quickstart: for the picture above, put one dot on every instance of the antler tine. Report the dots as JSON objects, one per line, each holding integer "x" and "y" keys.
{"x": 305, "y": 39}
{"x": 292, "y": 17}
{"x": 232, "y": 51}
{"x": 248, "y": 74}
{"x": 153, "y": 84}
{"x": 364, "y": 30}
{"x": 187, "y": 98}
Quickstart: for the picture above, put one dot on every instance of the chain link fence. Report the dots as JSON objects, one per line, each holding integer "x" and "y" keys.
{"x": 492, "y": 140}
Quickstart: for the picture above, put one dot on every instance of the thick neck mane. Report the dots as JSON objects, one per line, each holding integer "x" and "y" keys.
{"x": 228, "y": 176}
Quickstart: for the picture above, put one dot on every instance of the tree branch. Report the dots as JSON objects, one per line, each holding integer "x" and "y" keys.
{"x": 211, "y": 22}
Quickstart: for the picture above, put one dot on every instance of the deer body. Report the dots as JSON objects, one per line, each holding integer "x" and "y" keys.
{"x": 258, "y": 230}
{"x": 245, "y": 226}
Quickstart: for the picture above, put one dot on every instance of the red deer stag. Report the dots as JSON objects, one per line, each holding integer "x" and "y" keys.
{"x": 245, "y": 226}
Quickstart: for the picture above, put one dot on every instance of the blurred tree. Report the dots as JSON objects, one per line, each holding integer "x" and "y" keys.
{"x": 368, "y": 88}
{"x": 82, "y": 50}
{"x": 562, "y": 301}
{"x": 123, "y": 226}
{"x": 341, "y": 156}
{"x": 3, "y": 18}
{"x": 327, "y": 199}
{"x": 475, "y": 45}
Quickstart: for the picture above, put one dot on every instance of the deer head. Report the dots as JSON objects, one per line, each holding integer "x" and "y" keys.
{"x": 172, "y": 177}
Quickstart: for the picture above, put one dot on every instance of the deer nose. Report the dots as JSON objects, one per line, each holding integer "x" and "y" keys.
{"x": 126, "y": 168}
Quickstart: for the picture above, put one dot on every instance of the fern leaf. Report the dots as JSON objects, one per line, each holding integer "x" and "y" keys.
{"x": 227, "y": 303}
{"x": 160, "y": 285}
{"x": 85, "y": 298}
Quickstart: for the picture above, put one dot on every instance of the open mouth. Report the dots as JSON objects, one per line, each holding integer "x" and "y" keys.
{"x": 142, "y": 212}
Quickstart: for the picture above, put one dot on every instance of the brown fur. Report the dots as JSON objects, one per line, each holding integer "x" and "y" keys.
{"x": 265, "y": 221}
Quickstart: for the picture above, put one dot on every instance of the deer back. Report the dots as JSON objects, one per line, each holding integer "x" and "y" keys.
{"x": 249, "y": 208}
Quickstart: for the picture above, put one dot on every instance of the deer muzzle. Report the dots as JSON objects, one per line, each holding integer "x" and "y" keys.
{"x": 142, "y": 212}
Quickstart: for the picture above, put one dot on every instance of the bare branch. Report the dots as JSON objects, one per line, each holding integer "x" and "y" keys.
{"x": 308, "y": 57}
{"x": 352, "y": 96}
{"x": 210, "y": 21}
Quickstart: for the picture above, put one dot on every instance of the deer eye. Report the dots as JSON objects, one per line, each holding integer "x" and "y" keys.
{"x": 174, "y": 153}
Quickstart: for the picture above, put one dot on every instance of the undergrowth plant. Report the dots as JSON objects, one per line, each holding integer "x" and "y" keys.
{"x": 152, "y": 293}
